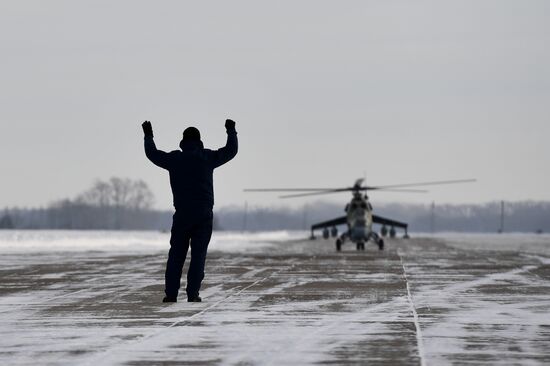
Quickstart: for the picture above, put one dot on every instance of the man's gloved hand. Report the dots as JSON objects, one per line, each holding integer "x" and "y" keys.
{"x": 147, "y": 129}
{"x": 230, "y": 125}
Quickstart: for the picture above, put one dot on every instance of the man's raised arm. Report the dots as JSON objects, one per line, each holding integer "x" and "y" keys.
{"x": 157, "y": 157}
{"x": 228, "y": 152}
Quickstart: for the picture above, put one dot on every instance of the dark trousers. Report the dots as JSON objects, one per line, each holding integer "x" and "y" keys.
{"x": 189, "y": 227}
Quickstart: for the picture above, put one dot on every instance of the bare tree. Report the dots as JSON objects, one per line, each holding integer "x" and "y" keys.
{"x": 101, "y": 194}
{"x": 141, "y": 197}
{"x": 118, "y": 192}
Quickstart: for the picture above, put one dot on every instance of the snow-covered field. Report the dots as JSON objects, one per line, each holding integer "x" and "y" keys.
{"x": 520, "y": 242}
{"x": 93, "y": 298}
{"x": 20, "y": 241}
{"x": 32, "y": 241}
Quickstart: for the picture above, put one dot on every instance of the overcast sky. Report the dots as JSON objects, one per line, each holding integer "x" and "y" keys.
{"x": 322, "y": 92}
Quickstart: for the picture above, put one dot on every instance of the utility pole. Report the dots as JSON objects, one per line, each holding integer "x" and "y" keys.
{"x": 501, "y": 230}
{"x": 432, "y": 218}
{"x": 245, "y": 215}
{"x": 305, "y": 217}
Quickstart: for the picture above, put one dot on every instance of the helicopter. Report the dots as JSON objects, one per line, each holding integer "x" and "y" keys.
{"x": 359, "y": 216}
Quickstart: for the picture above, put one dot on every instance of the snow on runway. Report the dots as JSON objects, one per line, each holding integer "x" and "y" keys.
{"x": 270, "y": 299}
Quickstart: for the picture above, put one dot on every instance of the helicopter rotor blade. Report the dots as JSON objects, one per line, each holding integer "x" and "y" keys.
{"x": 441, "y": 182}
{"x": 317, "y": 193}
{"x": 396, "y": 190}
{"x": 288, "y": 189}
{"x": 351, "y": 189}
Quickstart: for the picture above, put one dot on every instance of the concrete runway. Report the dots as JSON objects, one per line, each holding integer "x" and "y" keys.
{"x": 420, "y": 301}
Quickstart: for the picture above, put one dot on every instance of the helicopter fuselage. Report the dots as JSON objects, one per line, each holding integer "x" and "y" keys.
{"x": 359, "y": 218}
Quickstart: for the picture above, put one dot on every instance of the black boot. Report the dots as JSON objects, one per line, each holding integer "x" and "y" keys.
{"x": 169, "y": 299}
{"x": 195, "y": 298}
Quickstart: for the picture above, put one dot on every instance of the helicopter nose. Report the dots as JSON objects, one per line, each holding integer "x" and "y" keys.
{"x": 358, "y": 233}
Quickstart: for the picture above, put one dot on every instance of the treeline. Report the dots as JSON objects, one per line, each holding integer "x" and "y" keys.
{"x": 522, "y": 216}
{"x": 115, "y": 204}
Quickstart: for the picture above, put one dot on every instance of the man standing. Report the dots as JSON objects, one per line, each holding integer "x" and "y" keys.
{"x": 191, "y": 170}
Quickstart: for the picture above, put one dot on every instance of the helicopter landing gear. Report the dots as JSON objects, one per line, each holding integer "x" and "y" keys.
{"x": 338, "y": 245}
{"x": 360, "y": 245}
{"x": 381, "y": 244}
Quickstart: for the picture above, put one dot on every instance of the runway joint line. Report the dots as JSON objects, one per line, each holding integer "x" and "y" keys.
{"x": 419, "y": 341}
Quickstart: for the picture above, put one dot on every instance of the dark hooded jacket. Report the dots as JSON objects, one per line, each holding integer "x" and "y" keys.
{"x": 191, "y": 169}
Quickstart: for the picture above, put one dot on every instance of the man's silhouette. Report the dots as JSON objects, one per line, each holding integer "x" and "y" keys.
{"x": 190, "y": 171}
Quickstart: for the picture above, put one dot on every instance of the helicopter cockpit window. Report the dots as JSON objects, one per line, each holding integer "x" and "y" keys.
{"x": 364, "y": 205}
{"x": 370, "y": 206}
